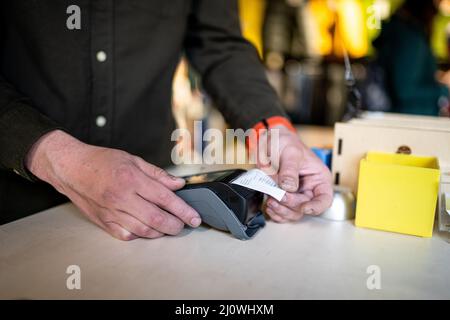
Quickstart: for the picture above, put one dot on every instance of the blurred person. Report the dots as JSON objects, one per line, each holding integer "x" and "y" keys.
{"x": 405, "y": 55}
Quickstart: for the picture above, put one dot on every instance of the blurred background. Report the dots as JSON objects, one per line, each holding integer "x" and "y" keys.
{"x": 398, "y": 52}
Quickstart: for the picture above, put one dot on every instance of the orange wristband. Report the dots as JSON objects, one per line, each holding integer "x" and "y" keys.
{"x": 267, "y": 124}
{"x": 277, "y": 120}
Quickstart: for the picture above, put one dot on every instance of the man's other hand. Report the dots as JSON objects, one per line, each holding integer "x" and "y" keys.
{"x": 306, "y": 180}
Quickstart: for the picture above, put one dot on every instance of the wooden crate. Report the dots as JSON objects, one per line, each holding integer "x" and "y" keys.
{"x": 422, "y": 135}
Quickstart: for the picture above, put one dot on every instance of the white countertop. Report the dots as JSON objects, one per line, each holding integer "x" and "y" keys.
{"x": 314, "y": 258}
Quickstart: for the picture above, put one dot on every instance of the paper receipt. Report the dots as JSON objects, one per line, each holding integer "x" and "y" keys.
{"x": 256, "y": 179}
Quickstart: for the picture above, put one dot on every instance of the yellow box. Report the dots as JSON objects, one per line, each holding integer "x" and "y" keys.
{"x": 398, "y": 193}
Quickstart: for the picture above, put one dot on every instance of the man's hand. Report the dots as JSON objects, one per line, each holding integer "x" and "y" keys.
{"x": 121, "y": 193}
{"x": 305, "y": 178}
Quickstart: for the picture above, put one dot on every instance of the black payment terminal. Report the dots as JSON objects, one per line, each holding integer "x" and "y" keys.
{"x": 223, "y": 205}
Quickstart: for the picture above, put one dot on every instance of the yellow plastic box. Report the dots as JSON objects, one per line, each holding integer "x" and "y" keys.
{"x": 398, "y": 193}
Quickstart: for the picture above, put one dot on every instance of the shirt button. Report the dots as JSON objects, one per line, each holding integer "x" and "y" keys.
{"x": 101, "y": 56}
{"x": 100, "y": 121}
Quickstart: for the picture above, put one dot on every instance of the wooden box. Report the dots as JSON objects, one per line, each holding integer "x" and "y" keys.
{"x": 391, "y": 133}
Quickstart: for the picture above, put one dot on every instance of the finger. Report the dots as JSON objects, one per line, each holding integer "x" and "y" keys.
{"x": 309, "y": 182}
{"x": 156, "y": 193}
{"x": 284, "y": 212}
{"x": 119, "y": 229}
{"x": 118, "y": 232}
{"x": 308, "y": 193}
{"x": 154, "y": 172}
{"x": 153, "y": 216}
{"x": 323, "y": 197}
{"x": 85, "y": 205}
{"x": 289, "y": 206}
{"x": 293, "y": 200}
{"x": 136, "y": 227}
{"x": 101, "y": 216}
{"x": 288, "y": 174}
{"x": 275, "y": 217}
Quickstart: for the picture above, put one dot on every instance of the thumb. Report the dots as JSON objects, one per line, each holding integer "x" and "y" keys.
{"x": 171, "y": 182}
{"x": 288, "y": 174}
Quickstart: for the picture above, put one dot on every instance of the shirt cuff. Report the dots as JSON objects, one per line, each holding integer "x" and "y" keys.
{"x": 20, "y": 127}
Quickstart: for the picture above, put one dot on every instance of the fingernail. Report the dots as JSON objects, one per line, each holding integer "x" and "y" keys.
{"x": 288, "y": 184}
{"x": 195, "y": 222}
{"x": 309, "y": 211}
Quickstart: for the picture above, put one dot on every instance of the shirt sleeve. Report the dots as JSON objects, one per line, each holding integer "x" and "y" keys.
{"x": 231, "y": 71}
{"x": 21, "y": 126}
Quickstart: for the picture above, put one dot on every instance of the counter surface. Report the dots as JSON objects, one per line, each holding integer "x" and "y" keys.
{"x": 314, "y": 258}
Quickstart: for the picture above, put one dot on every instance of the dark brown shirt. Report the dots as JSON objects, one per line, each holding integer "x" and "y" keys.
{"x": 109, "y": 82}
